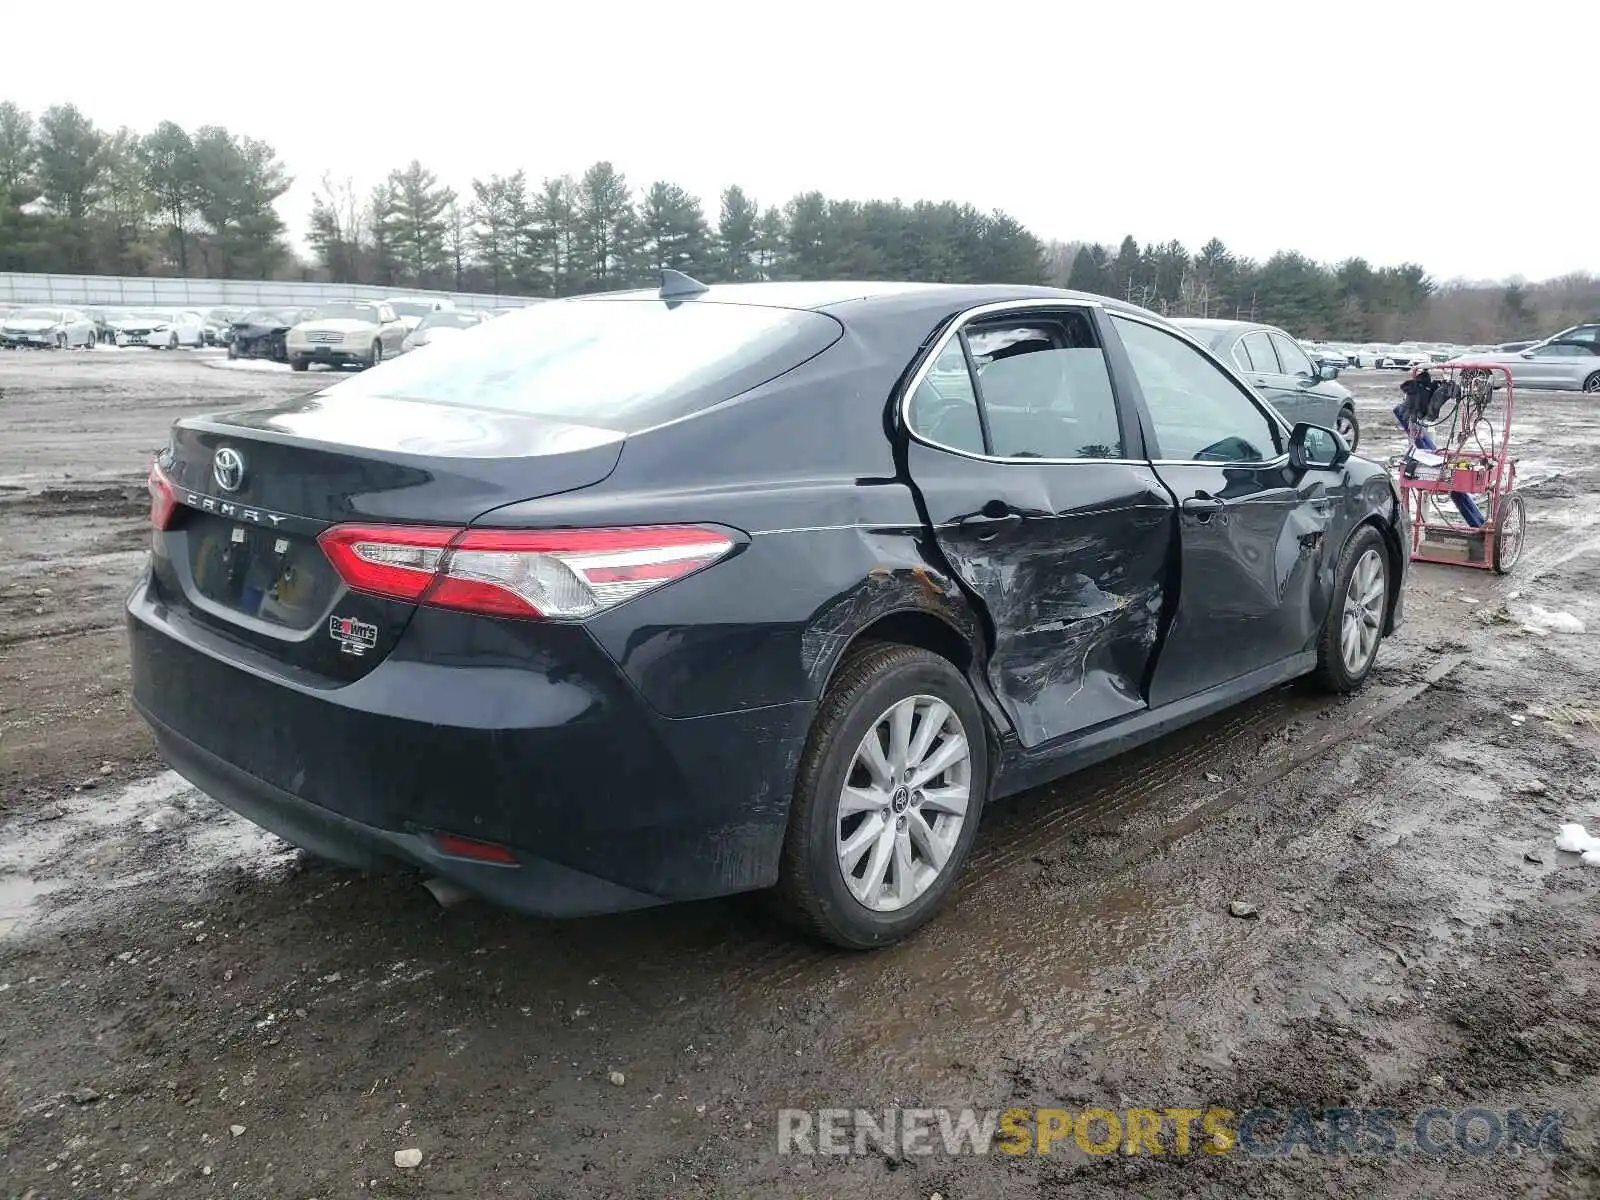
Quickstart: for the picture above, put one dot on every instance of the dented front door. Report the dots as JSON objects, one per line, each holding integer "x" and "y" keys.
{"x": 1254, "y": 546}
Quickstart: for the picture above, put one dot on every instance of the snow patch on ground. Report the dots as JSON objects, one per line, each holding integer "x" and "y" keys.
{"x": 247, "y": 364}
{"x": 72, "y": 860}
{"x": 1544, "y": 620}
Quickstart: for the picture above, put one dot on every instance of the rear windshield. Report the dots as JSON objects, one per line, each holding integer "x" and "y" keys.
{"x": 616, "y": 364}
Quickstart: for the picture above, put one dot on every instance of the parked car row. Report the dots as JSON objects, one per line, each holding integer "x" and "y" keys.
{"x": 65, "y": 327}
{"x": 46, "y": 328}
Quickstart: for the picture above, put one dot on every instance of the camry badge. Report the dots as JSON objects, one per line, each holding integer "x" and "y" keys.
{"x": 227, "y": 468}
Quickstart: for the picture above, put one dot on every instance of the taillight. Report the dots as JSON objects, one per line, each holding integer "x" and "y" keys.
{"x": 163, "y": 498}
{"x": 520, "y": 573}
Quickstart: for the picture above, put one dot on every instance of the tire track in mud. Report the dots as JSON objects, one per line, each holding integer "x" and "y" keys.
{"x": 729, "y": 949}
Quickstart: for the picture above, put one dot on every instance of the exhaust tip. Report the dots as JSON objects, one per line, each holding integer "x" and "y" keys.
{"x": 446, "y": 893}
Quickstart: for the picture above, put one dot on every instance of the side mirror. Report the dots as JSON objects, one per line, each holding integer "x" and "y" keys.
{"x": 1327, "y": 372}
{"x": 1528, "y": 353}
{"x": 1316, "y": 448}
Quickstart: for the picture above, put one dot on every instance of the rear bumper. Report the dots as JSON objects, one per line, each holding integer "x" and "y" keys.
{"x": 520, "y": 734}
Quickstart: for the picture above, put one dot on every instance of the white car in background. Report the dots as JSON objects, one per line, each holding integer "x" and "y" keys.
{"x": 48, "y": 328}
{"x": 440, "y": 326}
{"x": 411, "y": 309}
{"x": 356, "y": 333}
{"x": 158, "y": 329}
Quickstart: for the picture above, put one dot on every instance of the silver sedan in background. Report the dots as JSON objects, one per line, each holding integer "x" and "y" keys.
{"x": 1559, "y": 365}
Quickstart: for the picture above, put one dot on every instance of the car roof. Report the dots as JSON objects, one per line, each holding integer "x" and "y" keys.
{"x": 823, "y": 295}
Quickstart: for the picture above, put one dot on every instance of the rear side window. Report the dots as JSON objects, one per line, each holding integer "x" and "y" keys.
{"x": 615, "y": 364}
{"x": 1256, "y": 351}
{"x": 944, "y": 408}
{"x": 1042, "y": 385}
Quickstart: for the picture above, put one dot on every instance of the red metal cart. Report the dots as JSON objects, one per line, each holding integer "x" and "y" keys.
{"x": 1471, "y": 458}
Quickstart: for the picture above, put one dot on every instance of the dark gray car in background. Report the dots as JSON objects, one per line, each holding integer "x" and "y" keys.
{"x": 1280, "y": 369}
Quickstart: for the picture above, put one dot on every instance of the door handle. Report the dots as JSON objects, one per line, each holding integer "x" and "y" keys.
{"x": 1202, "y": 508}
{"x": 994, "y": 518}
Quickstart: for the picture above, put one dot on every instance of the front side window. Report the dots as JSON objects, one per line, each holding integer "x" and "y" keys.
{"x": 1045, "y": 388}
{"x": 1199, "y": 413}
{"x": 1292, "y": 357}
{"x": 944, "y": 408}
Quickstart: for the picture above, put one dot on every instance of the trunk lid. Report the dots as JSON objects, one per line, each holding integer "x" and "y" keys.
{"x": 255, "y": 487}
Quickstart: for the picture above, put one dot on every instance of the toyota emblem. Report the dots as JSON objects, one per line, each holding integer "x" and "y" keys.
{"x": 227, "y": 468}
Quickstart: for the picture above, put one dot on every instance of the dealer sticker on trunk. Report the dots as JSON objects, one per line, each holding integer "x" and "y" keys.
{"x": 353, "y": 636}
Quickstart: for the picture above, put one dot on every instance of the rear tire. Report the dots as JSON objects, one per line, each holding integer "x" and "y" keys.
{"x": 838, "y": 879}
{"x": 1353, "y": 628}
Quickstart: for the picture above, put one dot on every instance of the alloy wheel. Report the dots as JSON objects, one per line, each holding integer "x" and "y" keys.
{"x": 903, "y": 803}
{"x": 1345, "y": 426}
{"x": 1592, "y": 384}
{"x": 1362, "y": 620}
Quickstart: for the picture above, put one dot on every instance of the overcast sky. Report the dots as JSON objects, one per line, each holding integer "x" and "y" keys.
{"x": 1410, "y": 129}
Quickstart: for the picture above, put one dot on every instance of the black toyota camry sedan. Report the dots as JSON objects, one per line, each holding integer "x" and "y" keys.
{"x": 658, "y": 595}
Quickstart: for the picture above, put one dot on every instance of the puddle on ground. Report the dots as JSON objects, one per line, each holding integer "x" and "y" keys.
{"x": 64, "y": 862}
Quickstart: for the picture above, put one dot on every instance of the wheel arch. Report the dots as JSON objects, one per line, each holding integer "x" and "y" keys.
{"x": 950, "y": 631}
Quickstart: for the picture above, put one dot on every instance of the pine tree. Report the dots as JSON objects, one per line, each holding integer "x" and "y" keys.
{"x": 672, "y": 232}
{"x": 807, "y": 219}
{"x": 70, "y": 174}
{"x": 1089, "y": 272}
{"x": 383, "y": 263}
{"x": 124, "y": 209}
{"x": 772, "y": 242}
{"x": 415, "y": 225}
{"x": 1125, "y": 270}
{"x": 170, "y": 172}
{"x": 738, "y": 240}
{"x": 557, "y": 236}
{"x": 607, "y": 226}
{"x": 457, "y": 239}
{"x": 497, "y": 202}
{"x": 18, "y": 187}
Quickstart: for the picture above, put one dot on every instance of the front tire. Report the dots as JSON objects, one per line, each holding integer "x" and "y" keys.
{"x": 1353, "y": 629}
{"x": 375, "y": 355}
{"x": 1348, "y": 427}
{"x": 299, "y": 364}
{"x": 887, "y": 799}
{"x": 1591, "y": 385}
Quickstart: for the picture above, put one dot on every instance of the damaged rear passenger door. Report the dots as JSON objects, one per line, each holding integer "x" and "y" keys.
{"x": 1042, "y": 503}
{"x": 1255, "y": 569}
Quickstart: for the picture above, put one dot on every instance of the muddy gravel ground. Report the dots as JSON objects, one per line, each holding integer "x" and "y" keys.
{"x": 190, "y": 1008}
